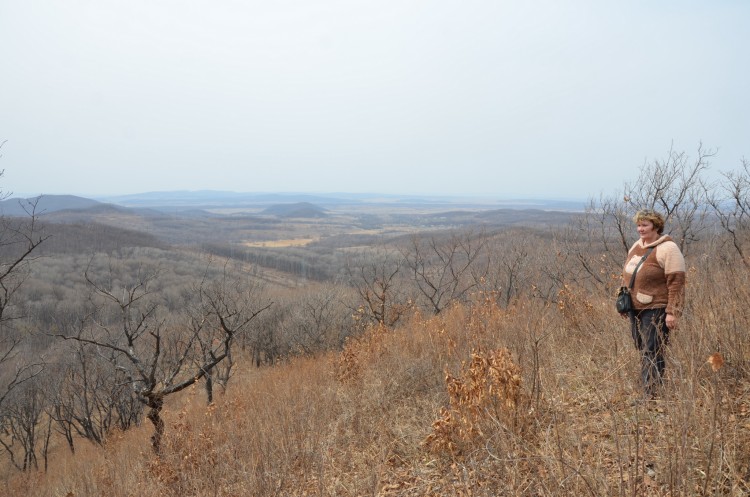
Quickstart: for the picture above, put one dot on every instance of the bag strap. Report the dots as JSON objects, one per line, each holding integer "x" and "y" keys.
{"x": 632, "y": 278}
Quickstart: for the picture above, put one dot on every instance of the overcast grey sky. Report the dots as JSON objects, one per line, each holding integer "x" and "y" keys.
{"x": 543, "y": 98}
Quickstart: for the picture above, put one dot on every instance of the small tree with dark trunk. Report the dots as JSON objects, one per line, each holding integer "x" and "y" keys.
{"x": 159, "y": 357}
{"x": 226, "y": 306}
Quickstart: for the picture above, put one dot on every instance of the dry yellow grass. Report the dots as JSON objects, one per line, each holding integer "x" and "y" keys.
{"x": 537, "y": 400}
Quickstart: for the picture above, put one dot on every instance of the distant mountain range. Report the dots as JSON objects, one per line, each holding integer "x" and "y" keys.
{"x": 223, "y": 199}
{"x": 276, "y": 204}
{"x": 45, "y": 204}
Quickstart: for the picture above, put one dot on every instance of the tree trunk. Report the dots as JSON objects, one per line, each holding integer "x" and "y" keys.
{"x": 155, "y": 405}
{"x": 210, "y": 386}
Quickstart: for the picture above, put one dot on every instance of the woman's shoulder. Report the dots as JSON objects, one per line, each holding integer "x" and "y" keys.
{"x": 667, "y": 243}
{"x": 670, "y": 256}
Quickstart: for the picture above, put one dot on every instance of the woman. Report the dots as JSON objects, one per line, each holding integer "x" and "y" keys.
{"x": 658, "y": 294}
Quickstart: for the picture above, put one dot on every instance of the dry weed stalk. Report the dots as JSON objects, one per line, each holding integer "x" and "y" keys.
{"x": 574, "y": 306}
{"x": 358, "y": 351}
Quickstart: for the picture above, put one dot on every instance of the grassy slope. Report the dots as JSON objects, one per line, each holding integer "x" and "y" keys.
{"x": 368, "y": 421}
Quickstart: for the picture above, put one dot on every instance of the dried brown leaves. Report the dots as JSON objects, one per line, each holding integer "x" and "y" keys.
{"x": 488, "y": 390}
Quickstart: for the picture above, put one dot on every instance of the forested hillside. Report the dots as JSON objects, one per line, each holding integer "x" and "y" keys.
{"x": 372, "y": 353}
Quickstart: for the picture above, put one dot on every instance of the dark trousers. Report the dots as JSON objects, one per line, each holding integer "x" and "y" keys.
{"x": 651, "y": 336}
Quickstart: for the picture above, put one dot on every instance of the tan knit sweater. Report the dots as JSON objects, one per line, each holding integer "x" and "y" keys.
{"x": 660, "y": 281}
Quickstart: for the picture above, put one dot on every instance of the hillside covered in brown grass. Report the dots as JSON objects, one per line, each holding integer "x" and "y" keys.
{"x": 383, "y": 352}
{"x": 535, "y": 399}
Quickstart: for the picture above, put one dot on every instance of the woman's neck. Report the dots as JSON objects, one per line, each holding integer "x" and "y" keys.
{"x": 651, "y": 239}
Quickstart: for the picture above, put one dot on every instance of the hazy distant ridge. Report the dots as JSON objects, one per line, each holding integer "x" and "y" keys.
{"x": 183, "y": 202}
{"x": 45, "y": 204}
{"x": 299, "y": 209}
{"x": 207, "y": 199}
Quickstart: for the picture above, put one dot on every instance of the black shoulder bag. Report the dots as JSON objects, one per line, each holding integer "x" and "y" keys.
{"x": 624, "y": 301}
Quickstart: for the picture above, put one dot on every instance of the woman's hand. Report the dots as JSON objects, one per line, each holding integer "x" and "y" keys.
{"x": 671, "y": 321}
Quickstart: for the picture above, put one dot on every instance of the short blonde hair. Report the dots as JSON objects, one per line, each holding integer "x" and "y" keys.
{"x": 652, "y": 216}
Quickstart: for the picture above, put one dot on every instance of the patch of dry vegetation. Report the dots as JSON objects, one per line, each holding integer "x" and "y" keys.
{"x": 537, "y": 399}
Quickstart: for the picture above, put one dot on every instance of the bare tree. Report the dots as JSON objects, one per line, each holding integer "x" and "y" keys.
{"x": 674, "y": 186}
{"x": 559, "y": 265}
{"x": 318, "y": 319}
{"x": 19, "y": 426}
{"x": 592, "y": 249}
{"x": 266, "y": 341}
{"x": 609, "y": 223}
{"x": 19, "y": 240}
{"x": 90, "y": 398}
{"x": 731, "y": 205}
{"x": 226, "y": 307}
{"x": 446, "y": 269}
{"x": 376, "y": 277}
{"x": 509, "y": 259}
{"x": 159, "y": 357}
{"x": 19, "y": 409}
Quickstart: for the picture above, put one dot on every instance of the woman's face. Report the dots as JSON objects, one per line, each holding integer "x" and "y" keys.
{"x": 646, "y": 231}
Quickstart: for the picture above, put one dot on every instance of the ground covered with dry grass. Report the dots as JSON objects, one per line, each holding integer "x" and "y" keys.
{"x": 538, "y": 399}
